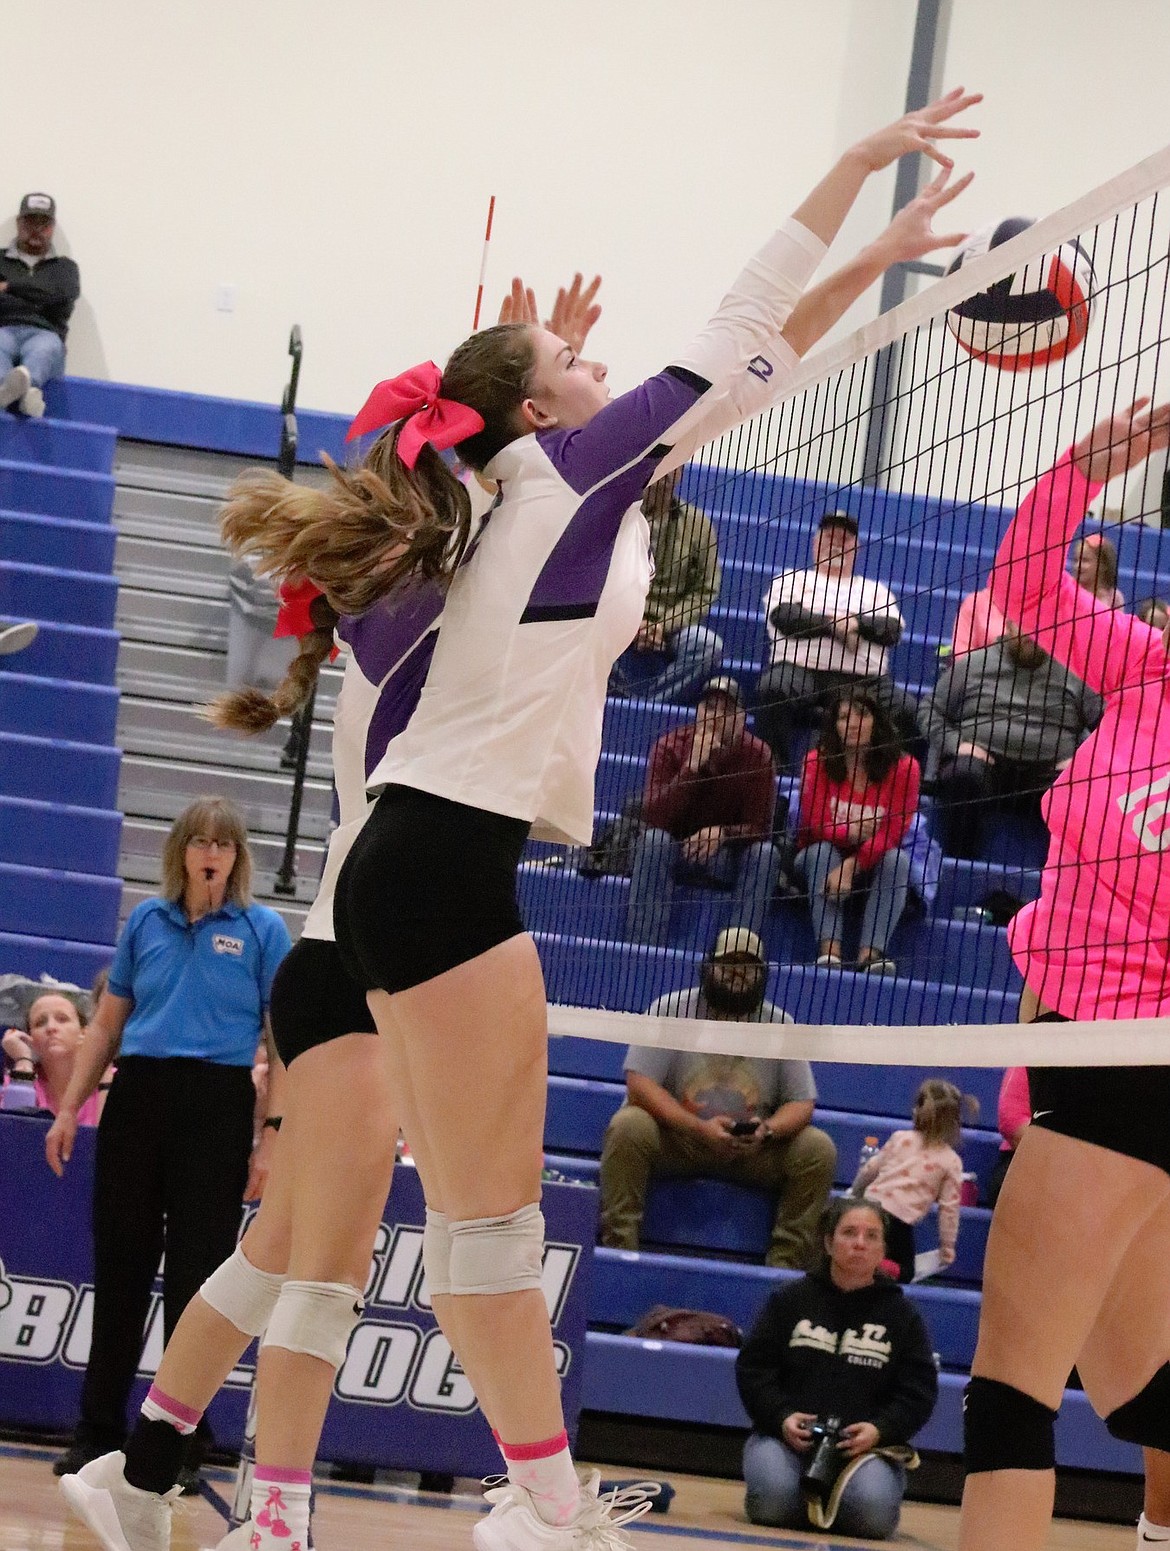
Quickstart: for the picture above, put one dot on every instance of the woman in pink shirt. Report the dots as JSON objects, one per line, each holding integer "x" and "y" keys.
{"x": 1085, "y": 1210}
{"x": 858, "y": 794}
{"x": 45, "y": 1055}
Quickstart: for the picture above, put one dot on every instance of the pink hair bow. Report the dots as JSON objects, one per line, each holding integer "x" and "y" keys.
{"x": 414, "y": 397}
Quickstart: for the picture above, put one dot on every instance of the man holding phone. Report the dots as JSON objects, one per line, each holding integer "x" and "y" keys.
{"x": 738, "y": 1118}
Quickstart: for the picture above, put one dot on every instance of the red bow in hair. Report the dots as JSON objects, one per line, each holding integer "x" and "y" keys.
{"x": 414, "y": 396}
{"x": 294, "y": 617}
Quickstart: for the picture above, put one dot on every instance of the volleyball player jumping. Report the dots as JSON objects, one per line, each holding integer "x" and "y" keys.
{"x": 489, "y": 728}
{"x": 1085, "y": 1210}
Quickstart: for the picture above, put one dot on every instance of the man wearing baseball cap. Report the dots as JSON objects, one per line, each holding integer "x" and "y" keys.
{"x": 38, "y": 289}
{"x": 707, "y": 814}
{"x": 739, "y": 1118}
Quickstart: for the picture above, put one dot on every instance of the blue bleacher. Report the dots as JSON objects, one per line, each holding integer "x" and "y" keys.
{"x": 60, "y": 894}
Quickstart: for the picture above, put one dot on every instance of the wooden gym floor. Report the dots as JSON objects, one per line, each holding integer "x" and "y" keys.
{"x": 706, "y": 1515}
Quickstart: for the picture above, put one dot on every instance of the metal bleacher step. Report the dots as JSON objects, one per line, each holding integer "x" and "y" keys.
{"x": 174, "y": 730}
{"x": 161, "y": 788}
{"x": 167, "y": 566}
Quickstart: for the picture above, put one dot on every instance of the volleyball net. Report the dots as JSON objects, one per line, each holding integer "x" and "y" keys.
{"x": 929, "y": 452}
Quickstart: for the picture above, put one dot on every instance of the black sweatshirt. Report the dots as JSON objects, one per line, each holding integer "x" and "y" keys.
{"x": 40, "y": 298}
{"x": 864, "y": 1356}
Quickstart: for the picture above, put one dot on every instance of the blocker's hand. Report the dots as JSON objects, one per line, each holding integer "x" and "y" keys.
{"x": 919, "y": 130}
{"x": 574, "y": 311}
{"x": 1122, "y": 440}
{"x": 911, "y": 233}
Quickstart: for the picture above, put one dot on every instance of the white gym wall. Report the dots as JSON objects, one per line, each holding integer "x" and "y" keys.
{"x": 332, "y": 163}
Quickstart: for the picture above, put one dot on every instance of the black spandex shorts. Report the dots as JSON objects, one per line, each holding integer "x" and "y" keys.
{"x": 1123, "y": 1108}
{"x": 428, "y": 885}
{"x": 314, "y": 1000}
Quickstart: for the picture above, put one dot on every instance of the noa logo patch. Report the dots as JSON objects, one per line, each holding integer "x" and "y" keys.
{"x": 224, "y": 944}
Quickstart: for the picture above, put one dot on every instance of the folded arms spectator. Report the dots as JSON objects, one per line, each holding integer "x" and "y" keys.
{"x": 38, "y": 290}
{"x": 1002, "y": 723}
{"x": 44, "y": 1054}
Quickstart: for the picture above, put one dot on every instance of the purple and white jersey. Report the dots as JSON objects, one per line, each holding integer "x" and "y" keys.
{"x": 501, "y": 707}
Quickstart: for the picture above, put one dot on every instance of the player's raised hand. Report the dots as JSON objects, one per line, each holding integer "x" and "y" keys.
{"x": 519, "y": 305}
{"x": 919, "y": 131}
{"x": 575, "y": 312}
{"x": 1122, "y": 440}
{"x": 911, "y": 233}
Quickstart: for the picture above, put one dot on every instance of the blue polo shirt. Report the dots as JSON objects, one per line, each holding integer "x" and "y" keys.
{"x": 199, "y": 989}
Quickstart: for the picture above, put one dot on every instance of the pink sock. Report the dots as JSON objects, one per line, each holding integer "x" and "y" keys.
{"x": 161, "y": 1407}
{"x": 280, "y": 1509}
{"x": 545, "y": 1470}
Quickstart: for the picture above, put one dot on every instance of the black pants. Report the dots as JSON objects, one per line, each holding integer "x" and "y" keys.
{"x": 967, "y": 789}
{"x": 788, "y": 696}
{"x": 901, "y": 1247}
{"x": 171, "y": 1164}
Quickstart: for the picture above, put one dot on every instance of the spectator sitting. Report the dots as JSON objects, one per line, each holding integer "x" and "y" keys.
{"x": 674, "y": 652}
{"x": 44, "y": 1053}
{"x": 1094, "y": 564}
{"x": 15, "y": 637}
{"x": 1001, "y": 722}
{"x": 1015, "y": 1114}
{"x": 978, "y": 623}
{"x": 38, "y": 289}
{"x": 1154, "y": 612}
{"x": 707, "y": 811}
{"x": 830, "y": 629}
{"x": 858, "y": 794}
{"x": 723, "y": 1117}
{"x": 844, "y": 1342}
{"x": 915, "y": 1169}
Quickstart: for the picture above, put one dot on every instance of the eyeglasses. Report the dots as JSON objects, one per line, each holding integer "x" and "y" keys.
{"x": 205, "y": 843}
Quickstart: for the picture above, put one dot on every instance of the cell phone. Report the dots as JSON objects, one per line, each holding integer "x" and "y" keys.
{"x": 745, "y": 1128}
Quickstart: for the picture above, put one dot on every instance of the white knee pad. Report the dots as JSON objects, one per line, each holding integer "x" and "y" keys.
{"x": 497, "y": 1254}
{"x": 316, "y": 1318}
{"x": 242, "y": 1294}
{"x": 437, "y": 1253}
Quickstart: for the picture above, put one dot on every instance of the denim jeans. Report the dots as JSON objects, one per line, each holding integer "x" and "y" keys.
{"x": 675, "y": 675}
{"x": 750, "y": 871}
{"x": 41, "y": 351}
{"x": 871, "y": 1503}
{"x": 884, "y": 886}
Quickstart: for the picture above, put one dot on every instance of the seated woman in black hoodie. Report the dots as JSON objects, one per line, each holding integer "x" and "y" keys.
{"x": 842, "y": 1342}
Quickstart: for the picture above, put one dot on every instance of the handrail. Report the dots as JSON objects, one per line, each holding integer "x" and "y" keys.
{"x": 296, "y": 750}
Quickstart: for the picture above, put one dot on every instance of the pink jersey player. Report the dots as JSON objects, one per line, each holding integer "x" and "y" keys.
{"x": 1094, "y": 945}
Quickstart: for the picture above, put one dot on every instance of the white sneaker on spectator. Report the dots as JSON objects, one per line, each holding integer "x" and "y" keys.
{"x": 514, "y": 1524}
{"x": 32, "y": 404}
{"x": 14, "y": 386}
{"x": 121, "y": 1516}
{"x": 14, "y": 638}
{"x": 1151, "y": 1534}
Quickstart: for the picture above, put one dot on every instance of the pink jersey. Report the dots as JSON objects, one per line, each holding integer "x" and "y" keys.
{"x": 978, "y": 624}
{"x": 1015, "y": 1106}
{"x": 1094, "y": 945}
{"x": 907, "y": 1177}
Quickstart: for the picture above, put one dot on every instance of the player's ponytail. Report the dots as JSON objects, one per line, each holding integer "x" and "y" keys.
{"x": 373, "y": 527}
{"x": 251, "y": 710}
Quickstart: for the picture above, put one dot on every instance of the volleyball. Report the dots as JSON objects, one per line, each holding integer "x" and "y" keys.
{"x": 1035, "y": 316}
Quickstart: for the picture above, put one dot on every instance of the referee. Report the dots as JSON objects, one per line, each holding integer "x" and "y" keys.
{"x": 183, "y": 1014}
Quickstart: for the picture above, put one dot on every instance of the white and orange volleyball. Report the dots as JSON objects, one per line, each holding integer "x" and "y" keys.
{"x": 1031, "y": 318}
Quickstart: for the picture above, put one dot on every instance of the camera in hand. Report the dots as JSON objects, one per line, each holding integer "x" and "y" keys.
{"x": 825, "y": 1460}
{"x": 745, "y": 1128}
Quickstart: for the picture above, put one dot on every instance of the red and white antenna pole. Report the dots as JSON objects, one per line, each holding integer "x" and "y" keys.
{"x": 487, "y": 237}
